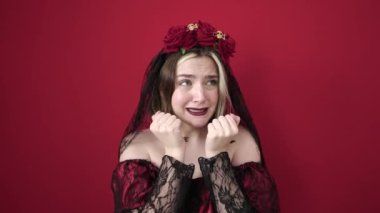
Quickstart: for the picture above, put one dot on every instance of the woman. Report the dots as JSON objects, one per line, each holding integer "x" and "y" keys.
{"x": 191, "y": 145}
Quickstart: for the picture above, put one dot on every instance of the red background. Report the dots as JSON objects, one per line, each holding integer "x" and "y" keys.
{"x": 71, "y": 73}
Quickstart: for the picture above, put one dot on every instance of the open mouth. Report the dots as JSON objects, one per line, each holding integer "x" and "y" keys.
{"x": 197, "y": 111}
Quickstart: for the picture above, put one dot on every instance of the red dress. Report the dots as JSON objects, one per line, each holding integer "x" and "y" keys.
{"x": 139, "y": 186}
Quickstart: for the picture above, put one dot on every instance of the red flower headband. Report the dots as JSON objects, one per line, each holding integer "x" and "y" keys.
{"x": 182, "y": 38}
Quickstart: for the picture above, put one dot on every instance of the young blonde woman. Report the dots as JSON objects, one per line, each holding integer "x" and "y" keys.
{"x": 191, "y": 145}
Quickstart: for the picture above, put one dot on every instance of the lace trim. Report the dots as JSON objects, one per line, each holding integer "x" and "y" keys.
{"x": 219, "y": 177}
{"x": 171, "y": 186}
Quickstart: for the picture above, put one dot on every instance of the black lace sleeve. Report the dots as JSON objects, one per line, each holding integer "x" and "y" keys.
{"x": 225, "y": 192}
{"x": 169, "y": 188}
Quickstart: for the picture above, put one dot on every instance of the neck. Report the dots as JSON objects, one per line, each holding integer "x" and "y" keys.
{"x": 191, "y": 133}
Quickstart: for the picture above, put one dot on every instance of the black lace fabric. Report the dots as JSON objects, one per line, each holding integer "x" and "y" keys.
{"x": 225, "y": 191}
{"x": 140, "y": 186}
{"x": 170, "y": 187}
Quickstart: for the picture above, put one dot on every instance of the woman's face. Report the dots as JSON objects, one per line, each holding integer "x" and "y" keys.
{"x": 195, "y": 95}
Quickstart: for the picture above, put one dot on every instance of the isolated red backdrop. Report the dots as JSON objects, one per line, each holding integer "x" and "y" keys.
{"x": 71, "y": 73}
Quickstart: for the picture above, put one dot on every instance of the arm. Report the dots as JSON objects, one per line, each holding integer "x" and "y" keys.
{"x": 137, "y": 190}
{"x": 171, "y": 184}
{"x": 226, "y": 194}
{"x": 246, "y": 188}
{"x": 145, "y": 188}
{"x": 250, "y": 184}
{"x": 216, "y": 168}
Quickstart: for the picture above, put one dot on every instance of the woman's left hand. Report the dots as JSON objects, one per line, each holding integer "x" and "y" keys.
{"x": 219, "y": 134}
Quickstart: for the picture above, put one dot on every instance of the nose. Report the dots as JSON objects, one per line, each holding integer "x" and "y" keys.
{"x": 198, "y": 93}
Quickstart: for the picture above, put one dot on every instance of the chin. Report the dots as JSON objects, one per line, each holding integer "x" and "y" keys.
{"x": 198, "y": 124}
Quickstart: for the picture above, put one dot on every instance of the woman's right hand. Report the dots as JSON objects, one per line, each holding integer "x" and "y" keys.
{"x": 166, "y": 127}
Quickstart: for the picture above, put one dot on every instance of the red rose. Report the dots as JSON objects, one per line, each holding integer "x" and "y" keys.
{"x": 189, "y": 40}
{"x": 178, "y": 37}
{"x": 174, "y": 39}
{"x": 226, "y": 48}
{"x": 202, "y": 34}
{"x": 205, "y": 34}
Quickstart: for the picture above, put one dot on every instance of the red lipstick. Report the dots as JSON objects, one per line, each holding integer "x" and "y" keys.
{"x": 197, "y": 111}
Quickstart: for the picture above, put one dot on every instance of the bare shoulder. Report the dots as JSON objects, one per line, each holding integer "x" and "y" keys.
{"x": 137, "y": 146}
{"x": 245, "y": 148}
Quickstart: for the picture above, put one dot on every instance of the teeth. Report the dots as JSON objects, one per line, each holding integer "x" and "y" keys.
{"x": 197, "y": 110}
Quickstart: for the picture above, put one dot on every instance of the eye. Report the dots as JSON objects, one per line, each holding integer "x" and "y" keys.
{"x": 184, "y": 82}
{"x": 212, "y": 82}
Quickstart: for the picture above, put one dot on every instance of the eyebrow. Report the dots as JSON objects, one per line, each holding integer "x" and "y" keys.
{"x": 193, "y": 76}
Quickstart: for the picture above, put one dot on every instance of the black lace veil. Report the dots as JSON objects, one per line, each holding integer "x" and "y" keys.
{"x": 149, "y": 103}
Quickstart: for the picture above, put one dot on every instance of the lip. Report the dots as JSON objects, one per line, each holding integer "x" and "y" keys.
{"x": 197, "y": 111}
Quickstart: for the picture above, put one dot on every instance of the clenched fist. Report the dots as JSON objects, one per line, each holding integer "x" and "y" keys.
{"x": 219, "y": 134}
{"x": 166, "y": 127}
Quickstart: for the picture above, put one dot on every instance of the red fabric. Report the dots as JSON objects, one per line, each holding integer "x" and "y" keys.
{"x": 204, "y": 35}
{"x": 258, "y": 186}
{"x": 133, "y": 181}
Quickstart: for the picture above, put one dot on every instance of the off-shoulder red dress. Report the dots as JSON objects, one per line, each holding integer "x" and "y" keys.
{"x": 139, "y": 186}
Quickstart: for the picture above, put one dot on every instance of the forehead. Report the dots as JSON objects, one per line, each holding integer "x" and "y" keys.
{"x": 196, "y": 65}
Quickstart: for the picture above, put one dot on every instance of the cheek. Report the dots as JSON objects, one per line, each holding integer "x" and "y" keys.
{"x": 178, "y": 98}
{"x": 214, "y": 96}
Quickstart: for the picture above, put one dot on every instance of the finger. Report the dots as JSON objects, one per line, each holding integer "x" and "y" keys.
{"x": 210, "y": 130}
{"x": 218, "y": 127}
{"x": 153, "y": 126}
{"x": 176, "y": 124}
{"x": 164, "y": 118}
{"x": 170, "y": 120}
{"x": 232, "y": 123}
{"x": 156, "y": 123}
{"x": 157, "y": 116}
{"x": 236, "y": 118}
{"x": 225, "y": 125}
